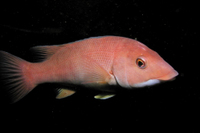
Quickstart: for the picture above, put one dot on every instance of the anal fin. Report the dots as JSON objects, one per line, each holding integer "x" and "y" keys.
{"x": 62, "y": 93}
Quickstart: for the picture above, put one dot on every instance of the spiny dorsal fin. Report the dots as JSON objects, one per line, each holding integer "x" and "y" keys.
{"x": 62, "y": 93}
{"x": 45, "y": 52}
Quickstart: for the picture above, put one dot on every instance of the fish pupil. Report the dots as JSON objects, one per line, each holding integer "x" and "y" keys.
{"x": 140, "y": 62}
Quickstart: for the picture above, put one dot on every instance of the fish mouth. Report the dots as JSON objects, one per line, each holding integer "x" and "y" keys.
{"x": 150, "y": 82}
{"x": 168, "y": 77}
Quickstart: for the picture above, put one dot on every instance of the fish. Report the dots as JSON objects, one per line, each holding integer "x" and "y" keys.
{"x": 95, "y": 62}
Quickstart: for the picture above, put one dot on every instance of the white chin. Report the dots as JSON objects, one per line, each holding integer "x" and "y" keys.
{"x": 147, "y": 83}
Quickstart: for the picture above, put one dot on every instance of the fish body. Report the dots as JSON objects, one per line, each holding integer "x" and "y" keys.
{"x": 92, "y": 62}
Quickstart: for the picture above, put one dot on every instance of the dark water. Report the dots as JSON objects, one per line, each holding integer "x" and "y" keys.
{"x": 170, "y": 28}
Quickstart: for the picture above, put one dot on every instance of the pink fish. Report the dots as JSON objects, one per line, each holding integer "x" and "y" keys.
{"x": 92, "y": 62}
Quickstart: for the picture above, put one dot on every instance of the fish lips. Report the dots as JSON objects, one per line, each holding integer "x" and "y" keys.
{"x": 168, "y": 77}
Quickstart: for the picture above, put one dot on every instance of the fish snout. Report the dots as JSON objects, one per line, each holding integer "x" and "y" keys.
{"x": 169, "y": 76}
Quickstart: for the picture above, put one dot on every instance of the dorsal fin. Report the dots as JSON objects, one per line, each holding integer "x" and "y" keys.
{"x": 45, "y": 52}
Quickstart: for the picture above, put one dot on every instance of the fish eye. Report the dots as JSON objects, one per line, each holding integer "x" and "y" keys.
{"x": 140, "y": 63}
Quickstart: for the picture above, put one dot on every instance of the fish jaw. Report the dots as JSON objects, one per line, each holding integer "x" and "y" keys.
{"x": 146, "y": 83}
{"x": 151, "y": 82}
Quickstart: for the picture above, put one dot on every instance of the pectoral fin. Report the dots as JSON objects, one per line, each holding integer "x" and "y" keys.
{"x": 104, "y": 96}
{"x": 92, "y": 73}
{"x": 62, "y": 93}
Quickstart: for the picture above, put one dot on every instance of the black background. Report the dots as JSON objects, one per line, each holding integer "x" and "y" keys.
{"x": 168, "y": 27}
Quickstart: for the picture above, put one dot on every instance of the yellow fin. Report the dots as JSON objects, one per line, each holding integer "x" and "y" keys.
{"x": 104, "y": 96}
{"x": 62, "y": 93}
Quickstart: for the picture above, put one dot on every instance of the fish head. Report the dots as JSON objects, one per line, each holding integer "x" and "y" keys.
{"x": 136, "y": 65}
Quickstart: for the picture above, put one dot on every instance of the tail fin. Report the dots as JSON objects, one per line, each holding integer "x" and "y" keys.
{"x": 15, "y": 76}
